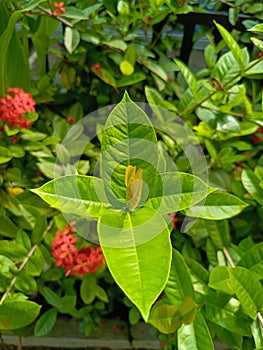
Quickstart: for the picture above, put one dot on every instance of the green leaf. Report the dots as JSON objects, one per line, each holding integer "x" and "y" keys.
{"x": 25, "y": 283}
{"x": 12, "y": 50}
{"x": 144, "y": 266}
{"x": 134, "y": 315}
{"x": 157, "y": 102}
{"x": 101, "y": 294}
{"x": 188, "y": 76}
{"x": 253, "y": 259}
{"x": 156, "y": 69}
{"x": 227, "y": 315}
{"x": 258, "y": 43}
{"x": 71, "y": 39}
{"x": 132, "y": 79}
{"x": 36, "y": 263}
{"x": 256, "y": 28}
{"x": 251, "y": 183}
{"x": 45, "y": 323}
{"x": 88, "y": 289}
{"x": 179, "y": 285}
{"x": 78, "y": 15}
{"x": 195, "y": 336}
{"x": 218, "y": 231}
{"x": 241, "y": 282}
{"x": 18, "y": 314}
{"x": 128, "y": 139}
{"x": 218, "y": 206}
{"x": 180, "y": 191}
{"x": 199, "y": 277}
{"x": 64, "y": 305}
{"x": 5, "y": 155}
{"x": 168, "y": 318}
{"x": 116, "y": 44}
{"x": 226, "y": 69}
{"x": 232, "y": 45}
{"x": 13, "y": 250}
{"x": 83, "y": 195}
{"x": 7, "y": 227}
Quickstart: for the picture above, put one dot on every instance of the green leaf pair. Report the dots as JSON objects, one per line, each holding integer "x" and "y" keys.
{"x": 131, "y": 202}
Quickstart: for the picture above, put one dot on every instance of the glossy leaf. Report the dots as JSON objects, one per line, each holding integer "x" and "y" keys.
{"x": 188, "y": 76}
{"x": 251, "y": 183}
{"x": 256, "y": 28}
{"x": 241, "y": 282}
{"x": 168, "y": 318}
{"x": 179, "y": 285}
{"x": 253, "y": 259}
{"x": 131, "y": 244}
{"x": 7, "y": 227}
{"x": 218, "y": 206}
{"x": 71, "y": 39}
{"x": 132, "y": 79}
{"x": 79, "y": 194}
{"x": 128, "y": 139}
{"x": 11, "y": 50}
{"x": 218, "y": 231}
{"x": 180, "y": 191}
{"x": 232, "y": 45}
{"x": 195, "y": 336}
{"x": 88, "y": 289}
{"x": 227, "y": 315}
{"x": 46, "y": 322}
{"x": 18, "y": 314}
{"x": 199, "y": 277}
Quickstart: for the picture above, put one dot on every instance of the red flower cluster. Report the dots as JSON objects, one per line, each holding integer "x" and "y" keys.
{"x": 74, "y": 261}
{"x": 14, "y": 107}
{"x": 59, "y": 8}
{"x": 255, "y": 139}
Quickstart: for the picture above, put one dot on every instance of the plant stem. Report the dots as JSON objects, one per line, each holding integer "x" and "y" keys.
{"x": 260, "y": 318}
{"x": 228, "y": 257}
{"x": 22, "y": 266}
{"x": 231, "y": 264}
{"x": 60, "y": 19}
{"x": 238, "y": 75}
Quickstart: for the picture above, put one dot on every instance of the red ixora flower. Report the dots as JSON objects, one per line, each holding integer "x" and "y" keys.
{"x": 59, "y": 8}
{"x": 256, "y": 139}
{"x": 74, "y": 261}
{"x": 14, "y": 106}
{"x": 71, "y": 120}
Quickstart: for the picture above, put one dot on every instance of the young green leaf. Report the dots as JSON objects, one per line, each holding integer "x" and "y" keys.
{"x": 128, "y": 139}
{"x": 180, "y": 191}
{"x": 134, "y": 184}
{"x": 218, "y": 206}
{"x": 133, "y": 254}
{"x": 83, "y": 195}
{"x": 232, "y": 45}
